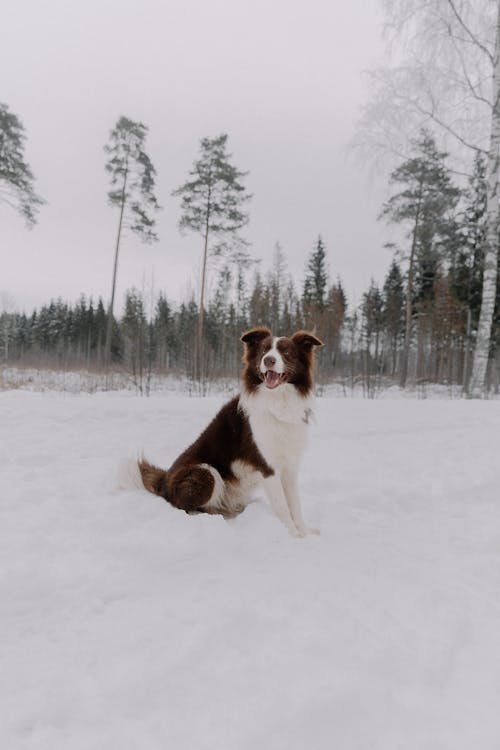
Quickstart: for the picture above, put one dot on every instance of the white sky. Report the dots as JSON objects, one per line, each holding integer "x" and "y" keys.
{"x": 282, "y": 78}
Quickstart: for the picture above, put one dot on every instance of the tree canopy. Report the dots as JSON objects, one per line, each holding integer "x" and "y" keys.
{"x": 16, "y": 178}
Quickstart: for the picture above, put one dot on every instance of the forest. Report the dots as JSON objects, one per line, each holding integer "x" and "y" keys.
{"x": 364, "y": 344}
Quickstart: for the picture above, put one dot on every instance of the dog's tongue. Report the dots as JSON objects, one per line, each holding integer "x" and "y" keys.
{"x": 272, "y": 379}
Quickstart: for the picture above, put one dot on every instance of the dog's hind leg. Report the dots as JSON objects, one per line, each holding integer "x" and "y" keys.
{"x": 197, "y": 487}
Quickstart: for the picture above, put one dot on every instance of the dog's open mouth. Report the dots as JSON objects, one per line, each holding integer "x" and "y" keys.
{"x": 273, "y": 379}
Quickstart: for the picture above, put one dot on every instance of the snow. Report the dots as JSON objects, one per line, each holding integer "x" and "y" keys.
{"x": 127, "y": 624}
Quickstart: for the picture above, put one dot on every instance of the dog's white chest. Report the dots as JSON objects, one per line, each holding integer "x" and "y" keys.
{"x": 279, "y": 423}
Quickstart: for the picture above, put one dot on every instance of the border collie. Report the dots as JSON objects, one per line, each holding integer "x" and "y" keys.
{"x": 256, "y": 439}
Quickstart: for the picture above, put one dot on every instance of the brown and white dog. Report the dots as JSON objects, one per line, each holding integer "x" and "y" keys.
{"x": 256, "y": 439}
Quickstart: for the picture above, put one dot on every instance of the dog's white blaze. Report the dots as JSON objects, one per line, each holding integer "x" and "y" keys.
{"x": 279, "y": 422}
{"x": 279, "y": 367}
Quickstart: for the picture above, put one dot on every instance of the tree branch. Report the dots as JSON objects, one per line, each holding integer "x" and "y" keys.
{"x": 432, "y": 115}
{"x": 470, "y": 85}
{"x": 469, "y": 33}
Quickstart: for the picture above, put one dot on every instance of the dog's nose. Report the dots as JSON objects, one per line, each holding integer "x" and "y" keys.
{"x": 269, "y": 362}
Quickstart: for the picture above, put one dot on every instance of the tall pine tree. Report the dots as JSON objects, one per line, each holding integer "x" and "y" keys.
{"x": 16, "y": 177}
{"x": 132, "y": 176}
{"x": 212, "y": 205}
{"x": 423, "y": 203}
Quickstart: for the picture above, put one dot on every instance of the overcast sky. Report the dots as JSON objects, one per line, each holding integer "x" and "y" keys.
{"x": 282, "y": 78}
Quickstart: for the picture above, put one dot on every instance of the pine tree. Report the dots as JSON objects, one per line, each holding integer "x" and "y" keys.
{"x": 424, "y": 204}
{"x": 132, "y": 191}
{"x": 16, "y": 177}
{"x": 212, "y": 205}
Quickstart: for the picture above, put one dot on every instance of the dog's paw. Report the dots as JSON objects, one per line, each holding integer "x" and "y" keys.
{"x": 313, "y": 530}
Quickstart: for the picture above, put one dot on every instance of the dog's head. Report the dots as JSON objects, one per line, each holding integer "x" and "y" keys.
{"x": 275, "y": 360}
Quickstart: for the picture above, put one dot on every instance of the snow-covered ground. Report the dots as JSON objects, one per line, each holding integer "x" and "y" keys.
{"x": 44, "y": 380}
{"x": 127, "y": 624}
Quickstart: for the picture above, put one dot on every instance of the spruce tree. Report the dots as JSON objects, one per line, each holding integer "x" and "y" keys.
{"x": 335, "y": 316}
{"x": 467, "y": 261}
{"x": 466, "y": 269}
{"x": 134, "y": 329}
{"x": 164, "y": 333}
{"x": 393, "y": 314}
{"x": 316, "y": 278}
{"x": 278, "y": 279}
{"x": 372, "y": 311}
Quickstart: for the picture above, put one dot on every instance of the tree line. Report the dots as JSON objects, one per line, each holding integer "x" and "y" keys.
{"x": 418, "y": 326}
{"x": 212, "y": 201}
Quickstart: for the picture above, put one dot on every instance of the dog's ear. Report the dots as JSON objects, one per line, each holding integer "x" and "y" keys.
{"x": 254, "y": 335}
{"x": 306, "y": 340}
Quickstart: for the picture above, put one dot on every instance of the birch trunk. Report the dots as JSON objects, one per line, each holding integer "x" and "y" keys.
{"x": 490, "y": 267}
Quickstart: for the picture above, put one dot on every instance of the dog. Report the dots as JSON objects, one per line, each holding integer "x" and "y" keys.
{"x": 256, "y": 439}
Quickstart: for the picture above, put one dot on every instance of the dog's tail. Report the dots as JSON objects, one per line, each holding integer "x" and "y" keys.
{"x": 153, "y": 478}
{"x": 140, "y": 474}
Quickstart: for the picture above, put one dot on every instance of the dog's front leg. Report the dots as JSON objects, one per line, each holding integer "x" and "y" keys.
{"x": 276, "y": 496}
{"x": 290, "y": 486}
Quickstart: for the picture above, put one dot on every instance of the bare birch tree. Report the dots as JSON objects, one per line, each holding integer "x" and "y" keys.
{"x": 490, "y": 262}
{"x": 447, "y": 78}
